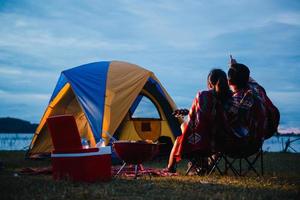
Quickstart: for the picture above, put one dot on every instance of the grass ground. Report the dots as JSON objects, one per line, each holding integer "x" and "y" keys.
{"x": 281, "y": 181}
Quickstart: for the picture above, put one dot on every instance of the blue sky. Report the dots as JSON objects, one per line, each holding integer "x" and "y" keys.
{"x": 180, "y": 41}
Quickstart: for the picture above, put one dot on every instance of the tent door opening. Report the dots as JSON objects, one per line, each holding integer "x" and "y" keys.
{"x": 144, "y": 120}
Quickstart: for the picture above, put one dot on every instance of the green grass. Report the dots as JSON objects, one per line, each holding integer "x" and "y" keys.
{"x": 281, "y": 181}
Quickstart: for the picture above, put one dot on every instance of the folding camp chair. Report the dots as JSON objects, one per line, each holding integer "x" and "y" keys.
{"x": 206, "y": 160}
{"x": 250, "y": 155}
{"x": 244, "y": 151}
{"x": 69, "y": 159}
{"x": 240, "y": 156}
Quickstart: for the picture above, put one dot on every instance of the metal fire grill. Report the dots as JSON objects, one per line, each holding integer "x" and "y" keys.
{"x": 135, "y": 153}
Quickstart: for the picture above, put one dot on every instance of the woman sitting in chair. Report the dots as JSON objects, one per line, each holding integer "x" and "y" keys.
{"x": 198, "y": 130}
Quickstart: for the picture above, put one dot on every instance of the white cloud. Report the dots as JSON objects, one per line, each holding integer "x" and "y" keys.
{"x": 179, "y": 40}
{"x": 21, "y": 24}
{"x": 289, "y": 130}
{"x": 6, "y": 71}
{"x": 291, "y": 18}
{"x": 10, "y": 97}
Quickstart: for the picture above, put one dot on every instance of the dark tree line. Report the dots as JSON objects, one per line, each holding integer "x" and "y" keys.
{"x": 13, "y": 125}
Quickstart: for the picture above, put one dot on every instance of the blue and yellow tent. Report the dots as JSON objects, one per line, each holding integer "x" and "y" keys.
{"x": 104, "y": 97}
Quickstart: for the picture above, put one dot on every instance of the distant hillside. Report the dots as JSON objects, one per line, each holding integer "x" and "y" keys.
{"x": 13, "y": 125}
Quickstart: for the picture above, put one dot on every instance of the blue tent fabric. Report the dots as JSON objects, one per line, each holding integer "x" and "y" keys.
{"x": 135, "y": 103}
{"x": 85, "y": 85}
{"x": 90, "y": 89}
{"x": 152, "y": 81}
{"x": 60, "y": 84}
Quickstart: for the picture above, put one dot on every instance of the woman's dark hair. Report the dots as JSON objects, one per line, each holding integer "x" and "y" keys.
{"x": 238, "y": 74}
{"x": 218, "y": 79}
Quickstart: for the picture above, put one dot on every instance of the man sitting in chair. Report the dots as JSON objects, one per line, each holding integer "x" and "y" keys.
{"x": 249, "y": 120}
{"x": 245, "y": 91}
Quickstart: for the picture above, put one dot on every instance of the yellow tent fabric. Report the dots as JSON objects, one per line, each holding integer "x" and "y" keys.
{"x": 124, "y": 82}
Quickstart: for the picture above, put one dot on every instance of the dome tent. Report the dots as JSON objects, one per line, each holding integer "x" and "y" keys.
{"x": 103, "y": 97}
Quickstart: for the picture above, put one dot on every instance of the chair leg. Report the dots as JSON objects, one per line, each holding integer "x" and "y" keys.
{"x": 262, "y": 161}
{"x": 215, "y": 165}
{"x": 189, "y": 169}
{"x": 251, "y": 164}
{"x": 250, "y": 167}
{"x": 230, "y": 166}
{"x": 199, "y": 164}
{"x": 240, "y": 165}
{"x": 195, "y": 162}
{"x": 225, "y": 166}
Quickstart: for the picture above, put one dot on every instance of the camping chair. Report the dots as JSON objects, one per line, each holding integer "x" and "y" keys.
{"x": 198, "y": 159}
{"x": 203, "y": 162}
{"x": 69, "y": 159}
{"x": 230, "y": 151}
{"x": 248, "y": 151}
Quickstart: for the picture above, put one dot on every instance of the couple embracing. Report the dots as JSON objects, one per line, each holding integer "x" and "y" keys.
{"x": 233, "y": 106}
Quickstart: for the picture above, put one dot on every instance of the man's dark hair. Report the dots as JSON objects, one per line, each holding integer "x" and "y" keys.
{"x": 238, "y": 74}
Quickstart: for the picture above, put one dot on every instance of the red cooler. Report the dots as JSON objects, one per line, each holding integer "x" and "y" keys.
{"x": 88, "y": 165}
